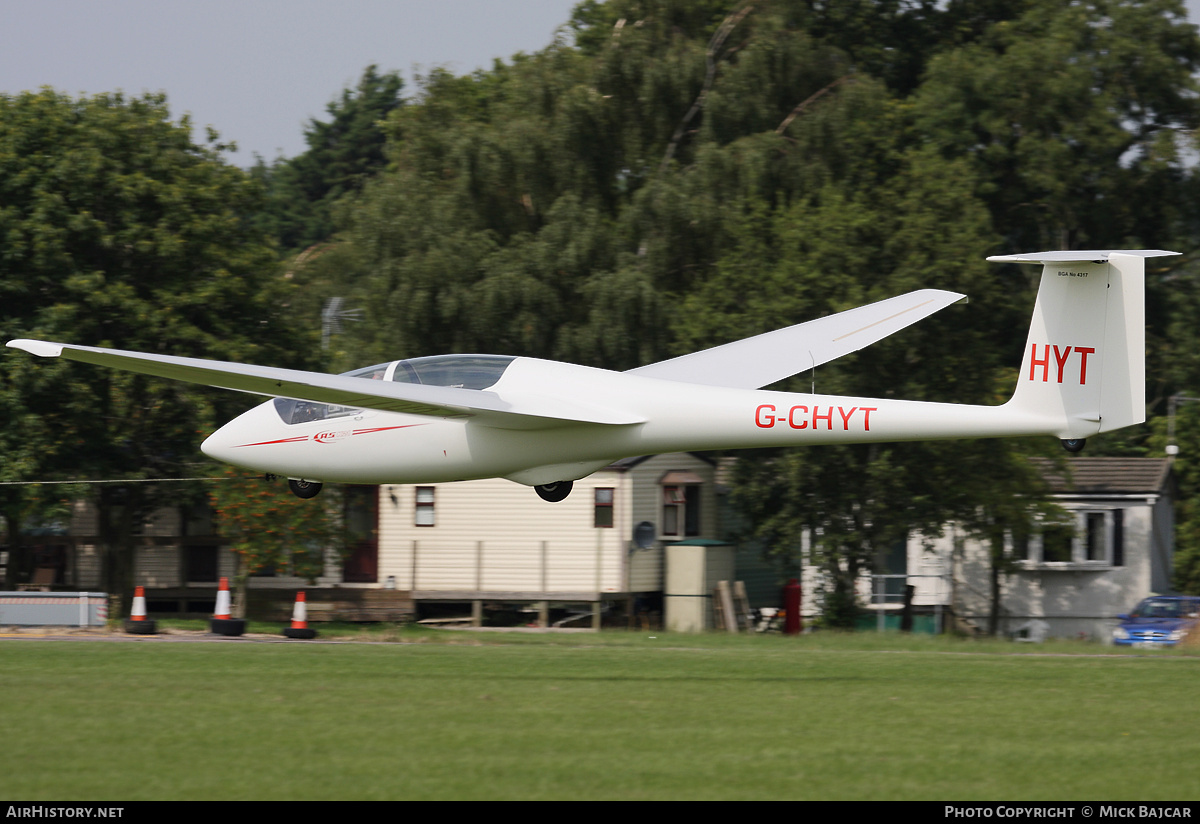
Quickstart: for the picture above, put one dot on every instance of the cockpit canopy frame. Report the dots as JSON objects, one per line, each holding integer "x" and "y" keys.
{"x": 457, "y": 371}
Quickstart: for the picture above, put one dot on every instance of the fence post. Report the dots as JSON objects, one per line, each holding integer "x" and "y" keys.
{"x": 477, "y": 604}
{"x": 544, "y": 609}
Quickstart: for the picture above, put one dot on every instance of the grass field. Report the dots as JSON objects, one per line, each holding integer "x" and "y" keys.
{"x": 444, "y": 715}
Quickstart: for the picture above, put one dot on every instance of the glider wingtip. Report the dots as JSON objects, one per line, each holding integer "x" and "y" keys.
{"x": 41, "y": 348}
{"x": 945, "y": 296}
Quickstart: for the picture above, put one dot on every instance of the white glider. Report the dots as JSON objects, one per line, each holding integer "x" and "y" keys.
{"x": 546, "y": 424}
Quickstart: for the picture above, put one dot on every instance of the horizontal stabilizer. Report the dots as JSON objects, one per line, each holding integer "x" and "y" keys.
{"x": 1097, "y": 255}
{"x": 753, "y": 363}
{"x": 343, "y": 390}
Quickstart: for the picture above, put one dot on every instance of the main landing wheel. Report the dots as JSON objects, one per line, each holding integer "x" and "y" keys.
{"x": 1073, "y": 444}
{"x": 304, "y": 489}
{"x": 554, "y": 492}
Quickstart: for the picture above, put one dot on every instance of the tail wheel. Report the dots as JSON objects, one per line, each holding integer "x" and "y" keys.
{"x": 304, "y": 489}
{"x": 554, "y": 492}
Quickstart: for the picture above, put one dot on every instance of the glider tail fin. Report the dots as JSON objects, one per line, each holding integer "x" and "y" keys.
{"x": 1084, "y": 361}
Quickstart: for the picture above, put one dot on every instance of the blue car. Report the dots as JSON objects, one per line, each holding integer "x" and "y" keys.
{"x": 1158, "y": 621}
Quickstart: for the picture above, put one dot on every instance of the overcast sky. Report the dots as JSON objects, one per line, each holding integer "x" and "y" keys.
{"x": 258, "y": 70}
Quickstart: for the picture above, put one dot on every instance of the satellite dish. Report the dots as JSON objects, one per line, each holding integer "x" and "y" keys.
{"x": 644, "y": 535}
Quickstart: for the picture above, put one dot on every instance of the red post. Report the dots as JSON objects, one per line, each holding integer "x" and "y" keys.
{"x": 791, "y": 606}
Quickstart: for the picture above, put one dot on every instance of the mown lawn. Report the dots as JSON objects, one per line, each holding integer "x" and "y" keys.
{"x": 440, "y": 715}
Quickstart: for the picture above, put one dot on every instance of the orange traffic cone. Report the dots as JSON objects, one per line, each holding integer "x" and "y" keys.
{"x": 138, "y": 624}
{"x": 299, "y": 627}
{"x": 139, "y": 604}
{"x": 223, "y": 603}
{"x": 221, "y": 623}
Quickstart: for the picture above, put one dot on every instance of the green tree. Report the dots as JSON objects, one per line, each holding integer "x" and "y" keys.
{"x": 1185, "y": 468}
{"x": 834, "y": 250}
{"x": 556, "y": 206}
{"x": 269, "y": 529}
{"x": 1004, "y": 498}
{"x": 1072, "y": 114}
{"x": 117, "y": 230}
{"x": 343, "y": 153}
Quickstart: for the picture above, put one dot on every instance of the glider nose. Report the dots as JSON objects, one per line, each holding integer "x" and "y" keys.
{"x": 224, "y": 444}
{"x": 260, "y": 426}
{"x": 219, "y": 446}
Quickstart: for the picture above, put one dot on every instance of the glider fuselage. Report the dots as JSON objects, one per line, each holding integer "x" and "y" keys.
{"x": 372, "y": 446}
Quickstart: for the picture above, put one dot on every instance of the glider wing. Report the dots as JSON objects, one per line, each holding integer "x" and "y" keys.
{"x": 753, "y": 363}
{"x": 344, "y": 390}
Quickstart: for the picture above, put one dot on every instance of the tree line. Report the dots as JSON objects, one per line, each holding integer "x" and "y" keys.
{"x": 665, "y": 176}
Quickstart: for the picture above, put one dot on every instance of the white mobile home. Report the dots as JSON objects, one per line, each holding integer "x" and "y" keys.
{"x": 1071, "y": 579}
{"x": 495, "y": 540}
